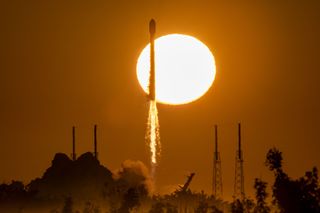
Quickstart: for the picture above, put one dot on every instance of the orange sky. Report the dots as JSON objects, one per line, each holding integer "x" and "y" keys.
{"x": 65, "y": 63}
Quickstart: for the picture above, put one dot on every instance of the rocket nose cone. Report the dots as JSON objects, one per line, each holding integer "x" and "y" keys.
{"x": 152, "y": 26}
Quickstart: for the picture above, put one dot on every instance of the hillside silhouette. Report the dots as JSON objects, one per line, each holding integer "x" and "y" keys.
{"x": 83, "y": 178}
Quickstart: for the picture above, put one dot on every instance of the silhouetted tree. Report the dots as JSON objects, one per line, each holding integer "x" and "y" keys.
{"x": 157, "y": 207}
{"x": 130, "y": 200}
{"x": 274, "y": 160}
{"x": 237, "y": 206}
{"x": 214, "y": 209}
{"x": 68, "y": 205}
{"x": 113, "y": 208}
{"x": 261, "y": 195}
{"x": 244, "y": 206}
{"x": 248, "y": 205}
{"x": 15, "y": 191}
{"x": 293, "y": 196}
{"x": 171, "y": 208}
{"x": 202, "y": 207}
{"x": 91, "y": 208}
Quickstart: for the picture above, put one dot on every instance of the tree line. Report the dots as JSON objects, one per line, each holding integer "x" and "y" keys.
{"x": 288, "y": 195}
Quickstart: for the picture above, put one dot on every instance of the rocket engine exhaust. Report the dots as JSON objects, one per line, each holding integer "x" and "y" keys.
{"x": 153, "y": 136}
{"x": 153, "y": 129}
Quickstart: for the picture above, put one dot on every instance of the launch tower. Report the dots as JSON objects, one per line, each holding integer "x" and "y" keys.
{"x": 73, "y": 154}
{"x": 239, "y": 176}
{"x": 217, "y": 173}
{"x": 95, "y": 142}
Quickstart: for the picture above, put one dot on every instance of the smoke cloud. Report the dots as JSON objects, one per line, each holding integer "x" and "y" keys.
{"x": 134, "y": 174}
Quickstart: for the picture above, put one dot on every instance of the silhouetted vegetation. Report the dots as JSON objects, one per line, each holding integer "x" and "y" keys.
{"x": 237, "y": 206}
{"x": 91, "y": 208}
{"x": 163, "y": 204}
{"x": 289, "y": 196}
{"x": 128, "y": 190}
{"x": 68, "y": 205}
{"x": 202, "y": 207}
{"x": 293, "y": 196}
{"x": 242, "y": 206}
{"x": 130, "y": 201}
{"x": 157, "y": 207}
{"x": 261, "y": 196}
{"x": 215, "y": 210}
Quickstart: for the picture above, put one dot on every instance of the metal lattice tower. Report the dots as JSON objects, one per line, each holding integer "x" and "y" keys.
{"x": 217, "y": 173}
{"x": 239, "y": 176}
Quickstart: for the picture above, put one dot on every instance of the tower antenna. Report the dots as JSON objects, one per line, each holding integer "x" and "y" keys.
{"x": 217, "y": 173}
{"x": 73, "y": 154}
{"x": 239, "y": 176}
{"x": 95, "y": 142}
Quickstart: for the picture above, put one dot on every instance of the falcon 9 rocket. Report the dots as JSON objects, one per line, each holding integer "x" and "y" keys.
{"x": 152, "y": 82}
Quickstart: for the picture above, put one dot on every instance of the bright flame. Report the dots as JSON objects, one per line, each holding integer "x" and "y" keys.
{"x": 184, "y": 69}
{"x": 153, "y": 134}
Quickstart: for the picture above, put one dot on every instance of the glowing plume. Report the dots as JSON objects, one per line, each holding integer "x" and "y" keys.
{"x": 153, "y": 135}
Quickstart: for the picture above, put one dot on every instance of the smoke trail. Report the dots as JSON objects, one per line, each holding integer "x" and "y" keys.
{"x": 153, "y": 135}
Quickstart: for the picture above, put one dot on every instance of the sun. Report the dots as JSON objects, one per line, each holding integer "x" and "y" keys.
{"x": 184, "y": 69}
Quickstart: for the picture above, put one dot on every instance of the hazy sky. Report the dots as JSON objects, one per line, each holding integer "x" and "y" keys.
{"x": 65, "y": 63}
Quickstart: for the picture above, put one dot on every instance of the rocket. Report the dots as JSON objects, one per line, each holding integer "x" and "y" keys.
{"x": 152, "y": 79}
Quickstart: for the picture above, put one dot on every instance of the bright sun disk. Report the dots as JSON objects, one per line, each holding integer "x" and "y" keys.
{"x": 184, "y": 69}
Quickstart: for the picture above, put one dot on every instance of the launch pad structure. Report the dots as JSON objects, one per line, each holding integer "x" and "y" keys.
{"x": 217, "y": 171}
{"x": 217, "y": 187}
{"x": 239, "y": 175}
{"x": 95, "y": 143}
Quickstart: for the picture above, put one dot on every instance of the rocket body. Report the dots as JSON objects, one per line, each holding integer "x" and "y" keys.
{"x": 152, "y": 79}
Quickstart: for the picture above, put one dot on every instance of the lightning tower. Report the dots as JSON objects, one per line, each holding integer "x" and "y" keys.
{"x": 73, "y": 154}
{"x": 95, "y": 153}
{"x": 239, "y": 176}
{"x": 217, "y": 173}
